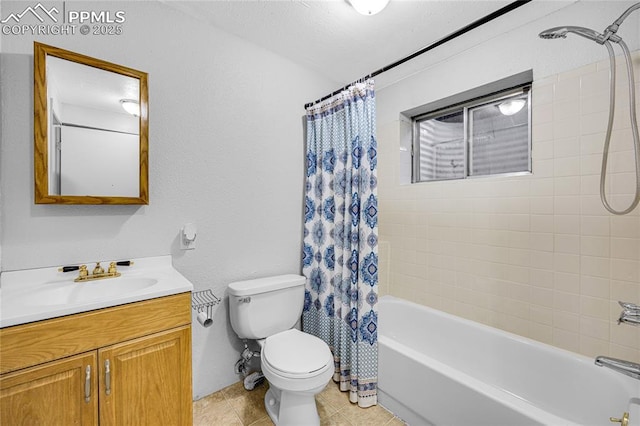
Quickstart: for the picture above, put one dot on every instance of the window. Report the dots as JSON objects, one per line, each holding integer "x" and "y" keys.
{"x": 485, "y": 136}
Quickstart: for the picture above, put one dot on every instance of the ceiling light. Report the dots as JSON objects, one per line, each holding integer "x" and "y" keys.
{"x": 368, "y": 7}
{"x": 131, "y": 106}
{"x": 512, "y": 106}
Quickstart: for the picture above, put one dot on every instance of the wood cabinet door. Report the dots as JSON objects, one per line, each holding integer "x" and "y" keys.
{"x": 147, "y": 381}
{"x": 62, "y": 392}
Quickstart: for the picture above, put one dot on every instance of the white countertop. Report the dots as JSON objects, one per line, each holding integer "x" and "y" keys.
{"x": 35, "y": 294}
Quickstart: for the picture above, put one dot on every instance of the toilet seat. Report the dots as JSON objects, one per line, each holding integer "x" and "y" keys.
{"x": 296, "y": 355}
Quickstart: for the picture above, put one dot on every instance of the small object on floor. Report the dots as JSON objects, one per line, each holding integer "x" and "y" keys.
{"x": 252, "y": 380}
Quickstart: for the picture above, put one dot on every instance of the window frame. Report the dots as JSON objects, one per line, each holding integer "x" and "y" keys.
{"x": 465, "y": 107}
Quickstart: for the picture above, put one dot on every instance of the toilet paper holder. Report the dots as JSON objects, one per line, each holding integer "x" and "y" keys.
{"x": 203, "y": 302}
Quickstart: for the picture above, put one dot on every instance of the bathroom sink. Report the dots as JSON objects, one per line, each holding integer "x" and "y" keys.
{"x": 89, "y": 291}
{"x": 43, "y": 293}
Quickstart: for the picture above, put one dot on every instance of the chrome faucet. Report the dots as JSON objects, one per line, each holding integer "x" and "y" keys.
{"x": 630, "y": 313}
{"x": 628, "y": 368}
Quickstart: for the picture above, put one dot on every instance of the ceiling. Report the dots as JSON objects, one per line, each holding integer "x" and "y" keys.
{"x": 89, "y": 87}
{"x": 329, "y": 36}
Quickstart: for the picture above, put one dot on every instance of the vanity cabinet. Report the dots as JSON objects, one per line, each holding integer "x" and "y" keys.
{"x": 50, "y": 394}
{"x": 125, "y": 365}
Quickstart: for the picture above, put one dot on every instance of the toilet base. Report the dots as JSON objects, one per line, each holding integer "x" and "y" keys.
{"x": 291, "y": 408}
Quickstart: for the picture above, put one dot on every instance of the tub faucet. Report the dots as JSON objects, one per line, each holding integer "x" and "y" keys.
{"x": 628, "y": 368}
{"x": 630, "y": 313}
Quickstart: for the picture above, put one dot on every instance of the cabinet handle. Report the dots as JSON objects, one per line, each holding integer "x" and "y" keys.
{"x": 87, "y": 384}
{"x": 107, "y": 378}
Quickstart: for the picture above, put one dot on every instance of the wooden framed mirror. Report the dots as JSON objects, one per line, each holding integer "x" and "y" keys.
{"x": 88, "y": 147}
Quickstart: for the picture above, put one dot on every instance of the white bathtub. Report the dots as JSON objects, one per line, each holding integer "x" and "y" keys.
{"x": 439, "y": 369}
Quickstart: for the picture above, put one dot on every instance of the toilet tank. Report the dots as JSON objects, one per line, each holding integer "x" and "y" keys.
{"x": 265, "y": 306}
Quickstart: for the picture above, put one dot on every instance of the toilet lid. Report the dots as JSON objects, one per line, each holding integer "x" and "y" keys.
{"x": 295, "y": 352}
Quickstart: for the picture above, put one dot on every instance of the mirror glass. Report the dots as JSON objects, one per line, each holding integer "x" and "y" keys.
{"x": 91, "y": 130}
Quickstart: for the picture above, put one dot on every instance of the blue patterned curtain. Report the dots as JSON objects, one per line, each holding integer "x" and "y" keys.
{"x": 340, "y": 253}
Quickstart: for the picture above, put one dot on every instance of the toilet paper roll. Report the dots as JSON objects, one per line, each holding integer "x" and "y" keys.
{"x": 204, "y": 319}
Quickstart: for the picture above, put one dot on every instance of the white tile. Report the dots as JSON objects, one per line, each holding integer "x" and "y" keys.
{"x": 565, "y": 243}
{"x": 566, "y": 205}
{"x": 594, "y": 103}
{"x": 541, "y": 186}
{"x": 623, "y": 183}
{"x": 567, "y": 147}
{"x": 542, "y": 94}
{"x": 541, "y": 132}
{"x": 542, "y": 260}
{"x": 569, "y": 127}
{"x": 519, "y": 222}
{"x": 542, "y": 168}
{"x": 541, "y": 241}
{"x": 566, "y": 224}
{"x": 542, "y": 297}
{"x": 621, "y": 161}
{"x": 594, "y": 246}
{"x": 566, "y": 109}
{"x": 592, "y": 144}
{"x": 594, "y": 307}
{"x": 592, "y": 347}
{"x": 596, "y": 226}
{"x": 542, "y": 150}
{"x": 595, "y": 286}
{"x": 566, "y": 282}
{"x": 567, "y": 185}
{"x": 591, "y": 205}
{"x": 595, "y": 266}
{"x": 625, "y": 226}
{"x": 541, "y": 205}
{"x": 595, "y": 327}
{"x": 566, "y": 302}
{"x": 569, "y": 263}
{"x": 625, "y": 270}
{"x": 541, "y": 278}
{"x": 596, "y": 82}
{"x": 566, "y": 340}
{"x": 591, "y": 165}
{"x": 593, "y": 123}
{"x": 567, "y": 89}
{"x": 541, "y": 114}
{"x": 567, "y": 166}
{"x": 625, "y": 248}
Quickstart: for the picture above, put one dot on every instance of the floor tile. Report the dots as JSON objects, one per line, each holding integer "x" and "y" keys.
{"x": 235, "y": 406}
{"x": 374, "y": 415}
{"x": 214, "y": 410}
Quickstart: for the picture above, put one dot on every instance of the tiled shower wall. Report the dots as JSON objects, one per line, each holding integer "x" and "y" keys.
{"x": 536, "y": 255}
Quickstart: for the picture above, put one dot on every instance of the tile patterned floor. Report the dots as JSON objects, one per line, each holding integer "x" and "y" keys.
{"x": 234, "y": 406}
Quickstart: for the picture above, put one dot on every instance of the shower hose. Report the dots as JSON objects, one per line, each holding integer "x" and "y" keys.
{"x": 634, "y": 127}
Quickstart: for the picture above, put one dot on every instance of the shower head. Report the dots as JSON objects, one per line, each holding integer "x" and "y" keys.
{"x": 561, "y": 32}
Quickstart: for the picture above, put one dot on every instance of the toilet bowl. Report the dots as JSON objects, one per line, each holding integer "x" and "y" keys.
{"x": 297, "y": 366}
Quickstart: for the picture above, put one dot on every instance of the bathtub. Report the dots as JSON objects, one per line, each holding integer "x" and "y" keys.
{"x": 439, "y": 369}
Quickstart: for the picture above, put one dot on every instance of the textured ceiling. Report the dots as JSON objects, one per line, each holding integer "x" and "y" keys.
{"x": 333, "y": 39}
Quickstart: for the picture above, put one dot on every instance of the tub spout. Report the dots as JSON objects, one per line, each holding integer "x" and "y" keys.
{"x": 628, "y": 368}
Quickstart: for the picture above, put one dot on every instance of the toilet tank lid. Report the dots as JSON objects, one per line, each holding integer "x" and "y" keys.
{"x": 266, "y": 284}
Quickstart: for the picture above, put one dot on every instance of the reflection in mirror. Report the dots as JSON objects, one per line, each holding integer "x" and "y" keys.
{"x": 90, "y": 130}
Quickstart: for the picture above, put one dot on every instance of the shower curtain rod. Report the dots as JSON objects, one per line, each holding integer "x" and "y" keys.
{"x": 506, "y": 9}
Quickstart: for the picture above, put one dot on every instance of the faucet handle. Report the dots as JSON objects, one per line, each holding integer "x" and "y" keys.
{"x": 98, "y": 269}
{"x": 83, "y": 272}
{"x": 624, "y": 421}
{"x": 628, "y": 306}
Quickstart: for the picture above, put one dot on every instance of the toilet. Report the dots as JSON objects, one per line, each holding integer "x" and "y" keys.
{"x": 297, "y": 365}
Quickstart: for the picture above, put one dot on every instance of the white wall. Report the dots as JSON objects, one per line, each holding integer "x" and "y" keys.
{"x": 225, "y": 151}
{"x": 535, "y": 255}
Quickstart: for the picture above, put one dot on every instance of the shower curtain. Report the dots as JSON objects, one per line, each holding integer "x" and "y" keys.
{"x": 340, "y": 249}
